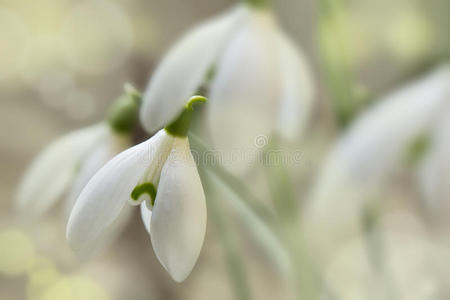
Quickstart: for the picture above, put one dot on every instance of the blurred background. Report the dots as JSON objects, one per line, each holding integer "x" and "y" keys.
{"x": 62, "y": 62}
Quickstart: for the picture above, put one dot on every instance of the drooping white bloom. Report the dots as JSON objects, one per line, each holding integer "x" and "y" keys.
{"x": 375, "y": 147}
{"x": 161, "y": 175}
{"x": 64, "y": 163}
{"x": 260, "y": 80}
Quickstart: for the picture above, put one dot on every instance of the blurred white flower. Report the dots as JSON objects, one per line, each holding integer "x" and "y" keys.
{"x": 411, "y": 265}
{"x": 258, "y": 80}
{"x": 98, "y": 156}
{"x": 159, "y": 174}
{"x": 376, "y": 146}
{"x": 69, "y": 161}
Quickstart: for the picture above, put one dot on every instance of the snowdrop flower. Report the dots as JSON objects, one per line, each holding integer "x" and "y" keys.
{"x": 160, "y": 175}
{"x": 69, "y": 162}
{"x": 411, "y": 265}
{"x": 258, "y": 80}
{"x": 53, "y": 170}
{"x": 380, "y": 142}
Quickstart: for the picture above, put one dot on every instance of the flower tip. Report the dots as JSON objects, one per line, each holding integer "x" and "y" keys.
{"x": 75, "y": 239}
{"x": 70, "y": 237}
{"x": 178, "y": 274}
{"x": 178, "y": 262}
{"x": 179, "y": 278}
{"x": 83, "y": 251}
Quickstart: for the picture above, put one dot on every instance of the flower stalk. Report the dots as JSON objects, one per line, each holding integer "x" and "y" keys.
{"x": 236, "y": 269}
{"x": 258, "y": 3}
{"x": 181, "y": 125}
{"x": 279, "y": 182}
{"x": 338, "y": 65}
{"x": 233, "y": 183}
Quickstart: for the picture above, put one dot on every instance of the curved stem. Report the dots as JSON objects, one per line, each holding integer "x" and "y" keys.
{"x": 263, "y": 234}
{"x": 234, "y": 183}
{"x": 258, "y": 3}
{"x": 376, "y": 247}
{"x": 195, "y": 99}
{"x": 180, "y": 126}
{"x": 279, "y": 184}
{"x": 238, "y": 277}
{"x": 305, "y": 279}
{"x": 337, "y": 62}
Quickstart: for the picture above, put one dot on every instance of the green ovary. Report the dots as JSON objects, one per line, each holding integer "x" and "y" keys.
{"x": 144, "y": 188}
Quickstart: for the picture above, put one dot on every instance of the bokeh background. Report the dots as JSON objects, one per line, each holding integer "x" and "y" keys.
{"x": 63, "y": 62}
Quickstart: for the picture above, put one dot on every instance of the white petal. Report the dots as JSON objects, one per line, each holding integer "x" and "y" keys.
{"x": 97, "y": 158}
{"x": 53, "y": 170}
{"x": 146, "y": 216}
{"x": 246, "y": 91}
{"x": 103, "y": 198}
{"x": 377, "y": 140}
{"x": 178, "y": 220}
{"x": 184, "y": 68}
{"x": 111, "y": 234}
{"x": 365, "y": 158}
{"x": 296, "y": 88}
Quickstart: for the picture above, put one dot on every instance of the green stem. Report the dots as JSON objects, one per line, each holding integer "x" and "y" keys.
{"x": 182, "y": 123}
{"x": 265, "y": 236}
{"x": 237, "y": 273}
{"x": 279, "y": 182}
{"x": 336, "y": 59}
{"x": 235, "y": 184}
{"x": 291, "y": 249}
{"x": 376, "y": 248}
{"x": 258, "y": 3}
{"x": 299, "y": 268}
{"x": 304, "y": 278}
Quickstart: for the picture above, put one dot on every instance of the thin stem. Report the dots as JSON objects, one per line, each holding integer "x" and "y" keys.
{"x": 303, "y": 275}
{"x": 376, "y": 248}
{"x": 264, "y": 235}
{"x": 292, "y": 259}
{"x": 234, "y": 183}
{"x": 257, "y": 217}
{"x": 180, "y": 126}
{"x": 337, "y": 62}
{"x": 279, "y": 182}
{"x": 258, "y": 3}
{"x": 237, "y": 273}
{"x": 306, "y": 279}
